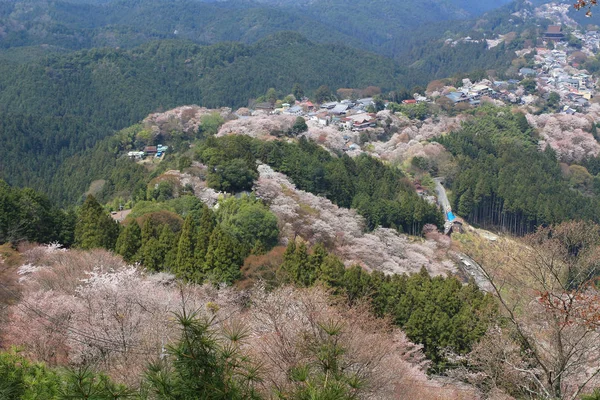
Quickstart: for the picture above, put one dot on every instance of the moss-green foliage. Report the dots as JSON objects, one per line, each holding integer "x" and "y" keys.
{"x": 379, "y": 192}
{"x": 21, "y": 379}
{"x": 29, "y": 215}
{"x": 503, "y": 179}
{"x": 95, "y": 228}
{"x": 223, "y": 258}
{"x": 129, "y": 242}
{"x": 418, "y": 111}
{"x": 249, "y": 221}
{"x": 210, "y": 124}
{"x": 593, "y": 396}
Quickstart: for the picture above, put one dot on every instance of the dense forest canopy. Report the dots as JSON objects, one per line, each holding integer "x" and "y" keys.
{"x": 378, "y": 26}
{"x": 505, "y": 181}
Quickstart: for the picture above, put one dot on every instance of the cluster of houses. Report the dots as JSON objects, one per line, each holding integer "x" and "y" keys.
{"x": 575, "y": 87}
{"x": 350, "y": 115}
{"x": 149, "y": 151}
{"x": 554, "y": 71}
{"x": 472, "y": 93}
{"x": 590, "y": 39}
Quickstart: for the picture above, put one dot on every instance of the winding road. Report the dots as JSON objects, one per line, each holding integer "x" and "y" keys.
{"x": 466, "y": 264}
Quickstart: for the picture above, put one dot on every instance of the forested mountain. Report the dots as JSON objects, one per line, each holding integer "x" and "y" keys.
{"x": 59, "y": 106}
{"x": 77, "y": 25}
{"x": 381, "y": 21}
{"x": 390, "y": 28}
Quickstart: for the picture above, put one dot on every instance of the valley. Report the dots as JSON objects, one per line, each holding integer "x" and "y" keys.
{"x": 299, "y": 200}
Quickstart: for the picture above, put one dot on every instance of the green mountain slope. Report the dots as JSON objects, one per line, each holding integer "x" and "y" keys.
{"x": 382, "y": 26}
{"x": 57, "y": 107}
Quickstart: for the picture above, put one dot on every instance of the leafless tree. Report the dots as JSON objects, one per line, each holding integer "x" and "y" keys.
{"x": 545, "y": 287}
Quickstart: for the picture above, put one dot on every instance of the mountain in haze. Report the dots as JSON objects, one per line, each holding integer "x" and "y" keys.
{"x": 382, "y": 26}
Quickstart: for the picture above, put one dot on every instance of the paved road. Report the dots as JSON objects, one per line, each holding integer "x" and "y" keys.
{"x": 441, "y": 194}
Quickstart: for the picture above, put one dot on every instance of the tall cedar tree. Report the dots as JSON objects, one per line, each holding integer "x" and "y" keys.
{"x": 148, "y": 231}
{"x": 205, "y": 230}
{"x": 145, "y": 253}
{"x": 168, "y": 246}
{"x": 185, "y": 249}
{"x": 95, "y": 228}
{"x": 152, "y": 254}
{"x": 223, "y": 260}
{"x": 129, "y": 242}
{"x": 297, "y": 264}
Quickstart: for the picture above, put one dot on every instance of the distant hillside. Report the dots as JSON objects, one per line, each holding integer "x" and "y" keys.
{"x": 127, "y": 23}
{"x": 57, "y": 107}
{"x": 382, "y": 26}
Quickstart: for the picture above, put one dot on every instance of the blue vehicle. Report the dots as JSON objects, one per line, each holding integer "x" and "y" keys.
{"x": 450, "y": 216}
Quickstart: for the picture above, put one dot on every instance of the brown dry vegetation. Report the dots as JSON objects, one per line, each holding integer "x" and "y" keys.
{"x": 550, "y": 344}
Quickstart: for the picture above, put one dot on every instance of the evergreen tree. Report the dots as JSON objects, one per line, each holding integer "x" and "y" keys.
{"x": 323, "y": 94}
{"x": 167, "y": 242}
{"x": 185, "y": 249}
{"x": 223, "y": 260}
{"x": 148, "y": 231}
{"x": 95, "y": 228}
{"x": 297, "y": 91}
{"x": 357, "y": 283}
{"x": 129, "y": 242}
{"x": 316, "y": 259}
{"x": 299, "y": 126}
{"x": 331, "y": 272}
{"x": 152, "y": 254}
{"x": 207, "y": 225}
{"x": 465, "y": 203}
{"x": 200, "y": 366}
{"x": 297, "y": 264}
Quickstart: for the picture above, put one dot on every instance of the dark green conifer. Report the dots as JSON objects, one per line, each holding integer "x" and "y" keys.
{"x": 331, "y": 271}
{"x": 185, "y": 249}
{"x": 129, "y": 242}
{"x": 223, "y": 261}
{"x": 205, "y": 230}
{"x": 152, "y": 254}
{"x": 95, "y": 228}
{"x": 168, "y": 244}
{"x": 148, "y": 231}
